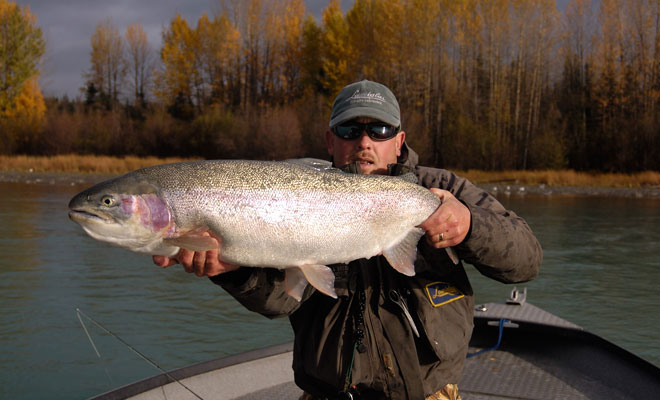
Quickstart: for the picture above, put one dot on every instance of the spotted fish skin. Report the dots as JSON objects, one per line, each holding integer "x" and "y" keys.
{"x": 284, "y": 215}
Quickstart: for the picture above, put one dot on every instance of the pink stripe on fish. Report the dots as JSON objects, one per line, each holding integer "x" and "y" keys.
{"x": 150, "y": 209}
{"x": 158, "y": 211}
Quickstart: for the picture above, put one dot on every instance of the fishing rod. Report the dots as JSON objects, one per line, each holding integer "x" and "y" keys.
{"x": 133, "y": 349}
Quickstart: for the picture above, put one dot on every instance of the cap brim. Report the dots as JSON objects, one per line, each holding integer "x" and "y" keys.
{"x": 367, "y": 112}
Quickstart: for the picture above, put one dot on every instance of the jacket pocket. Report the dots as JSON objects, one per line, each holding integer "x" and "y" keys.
{"x": 446, "y": 315}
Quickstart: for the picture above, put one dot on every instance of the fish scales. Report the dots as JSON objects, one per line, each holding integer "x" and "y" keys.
{"x": 296, "y": 215}
{"x": 265, "y": 214}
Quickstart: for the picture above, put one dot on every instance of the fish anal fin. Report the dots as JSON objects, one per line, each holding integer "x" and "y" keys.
{"x": 294, "y": 283}
{"x": 195, "y": 240}
{"x": 402, "y": 255}
{"x": 321, "y": 277}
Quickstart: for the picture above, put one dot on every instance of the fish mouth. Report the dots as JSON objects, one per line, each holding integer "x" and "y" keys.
{"x": 82, "y": 216}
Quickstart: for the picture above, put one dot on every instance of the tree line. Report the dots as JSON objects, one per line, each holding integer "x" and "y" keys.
{"x": 488, "y": 84}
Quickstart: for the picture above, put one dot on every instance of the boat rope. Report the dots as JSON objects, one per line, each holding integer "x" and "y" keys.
{"x": 133, "y": 349}
{"x": 499, "y": 339}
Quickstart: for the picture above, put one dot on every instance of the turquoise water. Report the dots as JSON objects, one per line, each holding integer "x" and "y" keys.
{"x": 600, "y": 270}
{"x": 601, "y": 265}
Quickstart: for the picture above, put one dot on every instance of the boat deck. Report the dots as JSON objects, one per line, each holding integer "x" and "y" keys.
{"x": 540, "y": 356}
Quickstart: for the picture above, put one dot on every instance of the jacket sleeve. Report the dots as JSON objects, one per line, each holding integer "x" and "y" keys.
{"x": 499, "y": 244}
{"x": 260, "y": 290}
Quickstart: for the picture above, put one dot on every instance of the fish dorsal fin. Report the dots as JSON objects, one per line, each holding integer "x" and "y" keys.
{"x": 313, "y": 163}
{"x": 402, "y": 255}
{"x": 319, "y": 276}
{"x": 194, "y": 240}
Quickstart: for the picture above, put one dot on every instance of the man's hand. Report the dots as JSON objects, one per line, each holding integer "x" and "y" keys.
{"x": 201, "y": 263}
{"x": 449, "y": 224}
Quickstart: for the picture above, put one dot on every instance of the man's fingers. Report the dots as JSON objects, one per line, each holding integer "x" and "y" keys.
{"x": 437, "y": 223}
{"x": 185, "y": 258}
{"x": 439, "y": 192}
{"x": 199, "y": 262}
{"x": 211, "y": 260}
{"x": 202, "y": 263}
{"x": 164, "y": 262}
{"x": 438, "y": 240}
{"x": 449, "y": 224}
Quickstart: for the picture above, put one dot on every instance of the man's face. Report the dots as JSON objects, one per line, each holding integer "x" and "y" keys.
{"x": 373, "y": 155}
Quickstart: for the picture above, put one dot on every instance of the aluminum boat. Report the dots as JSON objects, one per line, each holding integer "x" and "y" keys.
{"x": 517, "y": 351}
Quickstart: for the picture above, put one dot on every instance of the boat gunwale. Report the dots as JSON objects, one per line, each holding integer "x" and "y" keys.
{"x": 141, "y": 386}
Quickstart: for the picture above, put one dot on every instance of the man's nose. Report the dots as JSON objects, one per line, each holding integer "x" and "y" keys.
{"x": 364, "y": 141}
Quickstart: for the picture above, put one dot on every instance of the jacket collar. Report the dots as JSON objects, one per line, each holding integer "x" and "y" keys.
{"x": 408, "y": 157}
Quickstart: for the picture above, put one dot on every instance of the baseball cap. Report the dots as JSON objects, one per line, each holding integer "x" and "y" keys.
{"x": 365, "y": 99}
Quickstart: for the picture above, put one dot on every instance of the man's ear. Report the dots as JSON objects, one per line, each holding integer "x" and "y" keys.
{"x": 400, "y": 138}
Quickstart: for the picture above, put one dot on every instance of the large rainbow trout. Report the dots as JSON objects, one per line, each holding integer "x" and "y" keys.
{"x": 293, "y": 215}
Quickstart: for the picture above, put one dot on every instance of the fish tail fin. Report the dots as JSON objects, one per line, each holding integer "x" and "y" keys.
{"x": 402, "y": 256}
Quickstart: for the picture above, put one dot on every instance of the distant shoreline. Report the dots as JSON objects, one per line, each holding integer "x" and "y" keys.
{"x": 53, "y": 178}
{"x": 595, "y": 191}
{"x": 497, "y": 189}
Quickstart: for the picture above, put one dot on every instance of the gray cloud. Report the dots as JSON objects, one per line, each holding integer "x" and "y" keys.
{"x": 69, "y": 24}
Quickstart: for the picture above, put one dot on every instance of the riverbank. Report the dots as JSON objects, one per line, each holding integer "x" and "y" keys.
{"x": 497, "y": 189}
{"x": 596, "y": 191}
{"x": 87, "y": 170}
{"x": 74, "y": 163}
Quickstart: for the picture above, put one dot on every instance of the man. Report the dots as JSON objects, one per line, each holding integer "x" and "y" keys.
{"x": 388, "y": 336}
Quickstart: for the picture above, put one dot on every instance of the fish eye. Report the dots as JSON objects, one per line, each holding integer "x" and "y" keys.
{"x": 108, "y": 201}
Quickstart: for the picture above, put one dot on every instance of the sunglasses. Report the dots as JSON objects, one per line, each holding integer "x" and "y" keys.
{"x": 352, "y": 130}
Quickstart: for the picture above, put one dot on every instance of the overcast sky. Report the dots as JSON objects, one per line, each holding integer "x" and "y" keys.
{"x": 68, "y": 25}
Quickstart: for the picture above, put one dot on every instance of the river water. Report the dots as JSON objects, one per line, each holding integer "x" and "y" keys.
{"x": 601, "y": 268}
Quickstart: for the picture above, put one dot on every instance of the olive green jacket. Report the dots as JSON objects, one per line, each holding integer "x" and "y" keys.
{"x": 392, "y": 361}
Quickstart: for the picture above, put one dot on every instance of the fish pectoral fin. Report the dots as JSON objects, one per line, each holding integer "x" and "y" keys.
{"x": 164, "y": 250}
{"x": 193, "y": 240}
{"x": 294, "y": 283}
{"x": 402, "y": 255}
{"x": 319, "y": 276}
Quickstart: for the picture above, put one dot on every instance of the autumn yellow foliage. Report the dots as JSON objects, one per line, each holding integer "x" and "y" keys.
{"x": 21, "y": 49}
{"x": 484, "y": 84}
{"x": 28, "y": 107}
